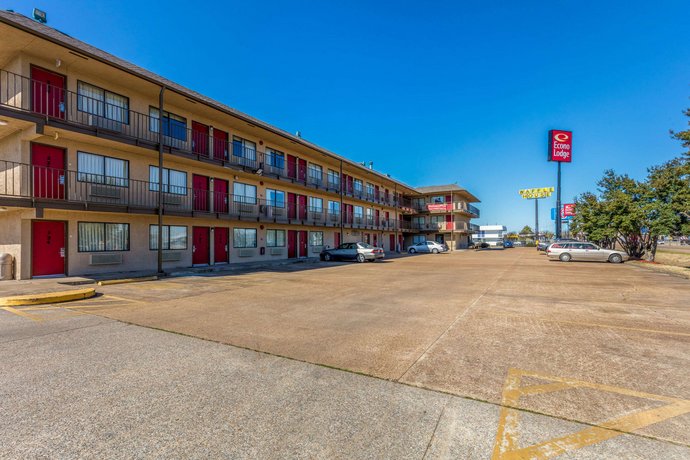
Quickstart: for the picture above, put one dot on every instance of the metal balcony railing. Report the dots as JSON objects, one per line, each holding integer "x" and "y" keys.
{"x": 56, "y": 103}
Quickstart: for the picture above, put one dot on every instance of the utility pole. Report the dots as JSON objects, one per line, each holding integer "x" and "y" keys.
{"x": 160, "y": 181}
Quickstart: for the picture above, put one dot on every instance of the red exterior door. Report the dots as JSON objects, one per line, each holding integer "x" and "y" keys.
{"x": 220, "y": 195}
{"x": 201, "y": 249}
{"x": 49, "y": 171}
{"x": 336, "y": 239}
{"x": 349, "y": 212}
{"x": 292, "y": 166}
{"x": 302, "y": 170}
{"x": 221, "y": 245}
{"x": 200, "y": 138}
{"x": 377, "y": 192}
{"x": 220, "y": 144}
{"x": 377, "y": 217}
{"x": 303, "y": 243}
{"x": 302, "y": 206}
{"x": 47, "y": 248}
{"x": 292, "y": 244}
{"x": 350, "y": 185}
{"x": 449, "y": 222}
{"x": 200, "y": 189}
{"x": 386, "y": 195}
{"x": 48, "y": 92}
{"x": 391, "y": 242}
{"x": 376, "y": 240}
{"x": 292, "y": 205}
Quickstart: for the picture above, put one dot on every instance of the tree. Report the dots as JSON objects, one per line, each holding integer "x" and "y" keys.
{"x": 548, "y": 235}
{"x": 526, "y": 231}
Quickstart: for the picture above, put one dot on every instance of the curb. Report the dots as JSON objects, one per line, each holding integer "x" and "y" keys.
{"x": 46, "y": 298}
{"x": 127, "y": 280}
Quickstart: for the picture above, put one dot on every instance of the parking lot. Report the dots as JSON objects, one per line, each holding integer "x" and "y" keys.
{"x": 486, "y": 354}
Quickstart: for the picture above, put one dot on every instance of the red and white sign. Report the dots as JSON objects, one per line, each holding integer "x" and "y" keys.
{"x": 439, "y": 207}
{"x": 560, "y": 145}
{"x": 568, "y": 210}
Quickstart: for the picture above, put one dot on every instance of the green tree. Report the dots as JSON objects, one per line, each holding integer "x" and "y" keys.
{"x": 526, "y": 231}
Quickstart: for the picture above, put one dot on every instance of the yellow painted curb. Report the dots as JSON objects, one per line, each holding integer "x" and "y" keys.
{"x": 127, "y": 280}
{"x": 45, "y": 298}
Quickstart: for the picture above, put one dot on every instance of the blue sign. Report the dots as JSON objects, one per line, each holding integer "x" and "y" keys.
{"x": 563, "y": 218}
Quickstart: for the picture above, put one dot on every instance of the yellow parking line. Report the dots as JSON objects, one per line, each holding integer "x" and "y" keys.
{"x": 21, "y": 313}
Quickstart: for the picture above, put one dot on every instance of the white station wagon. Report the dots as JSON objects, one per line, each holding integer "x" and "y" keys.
{"x": 567, "y": 251}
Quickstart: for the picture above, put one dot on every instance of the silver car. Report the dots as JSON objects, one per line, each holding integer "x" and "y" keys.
{"x": 360, "y": 252}
{"x": 567, "y": 251}
{"x": 427, "y": 246}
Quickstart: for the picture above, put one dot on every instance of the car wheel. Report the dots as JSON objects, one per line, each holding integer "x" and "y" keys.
{"x": 412, "y": 250}
{"x": 615, "y": 258}
{"x": 565, "y": 257}
{"x": 327, "y": 257}
{"x": 434, "y": 251}
{"x": 360, "y": 258}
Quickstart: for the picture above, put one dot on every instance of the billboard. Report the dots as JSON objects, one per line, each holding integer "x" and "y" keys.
{"x": 560, "y": 145}
{"x": 568, "y": 210}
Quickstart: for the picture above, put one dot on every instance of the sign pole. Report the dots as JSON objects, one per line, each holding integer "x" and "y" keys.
{"x": 536, "y": 219}
{"x": 558, "y": 202}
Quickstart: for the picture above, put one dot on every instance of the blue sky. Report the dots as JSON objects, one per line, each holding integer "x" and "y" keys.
{"x": 431, "y": 92}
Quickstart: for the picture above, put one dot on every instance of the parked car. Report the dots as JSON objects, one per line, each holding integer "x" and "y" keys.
{"x": 428, "y": 246}
{"x": 360, "y": 252}
{"x": 507, "y": 244}
{"x": 567, "y": 251}
{"x": 542, "y": 245}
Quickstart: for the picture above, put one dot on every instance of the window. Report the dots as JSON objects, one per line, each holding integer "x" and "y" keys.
{"x": 275, "y": 159}
{"x": 102, "y": 170}
{"x": 101, "y": 237}
{"x": 418, "y": 221}
{"x": 358, "y": 211}
{"x": 97, "y": 101}
{"x": 275, "y": 238}
{"x": 315, "y": 173}
{"x": 334, "y": 207}
{"x": 439, "y": 199}
{"x": 174, "y": 126}
{"x": 418, "y": 203}
{"x": 174, "y": 182}
{"x": 244, "y": 238}
{"x": 315, "y": 204}
{"x": 275, "y": 198}
{"x": 370, "y": 189}
{"x": 358, "y": 185}
{"x": 438, "y": 219}
{"x": 333, "y": 178}
{"x": 174, "y": 237}
{"x": 244, "y": 193}
{"x": 315, "y": 238}
{"x": 242, "y": 148}
{"x": 418, "y": 239}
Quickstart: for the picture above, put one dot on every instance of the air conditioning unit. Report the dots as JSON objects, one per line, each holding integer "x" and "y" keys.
{"x": 276, "y": 251}
{"x": 174, "y": 200}
{"x": 104, "y": 191}
{"x": 246, "y": 253}
{"x": 247, "y": 208}
{"x": 172, "y": 256}
{"x": 105, "y": 259}
{"x": 105, "y": 123}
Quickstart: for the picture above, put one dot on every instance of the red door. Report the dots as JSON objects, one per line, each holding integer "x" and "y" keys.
{"x": 292, "y": 206}
{"x": 221, "y": 242}
{"x": 376, "y": 240}
{"x": 343, "y": 183}
{"x": 48, "y": 92}
{"x": 391, "y": 242}
{"x": 292, "y": 244}
{"x": 350, "y": 185}
{"x": 349, "y": 212}
{"x": 377, "y": 192}
{"x": 386, "y": 195}
{"x": 220, "y": 195}
{"x": 302, "y": 170}
{"x": 200, "y": 189}
{"x": 292, "y": 166}
{"x": 302, "y": 243}
{"x": 336, "y": 239}
{"x": 47, "y": 248}
{"x": 377, "y": 217}
{"x": 220, "y": 144}
{"x": 449, "y": 222}
{"x": 49, "y": 171}
{"x": 302, "y": 206}
{"x": 201, "y": 247}
{"x": 200, "y": 138}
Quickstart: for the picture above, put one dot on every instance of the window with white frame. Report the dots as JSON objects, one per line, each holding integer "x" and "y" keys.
{"x": 358, "y": 211}
{"x": 370, "y": 215}
{"x": 174, "y": 237}
{"x": 174, "y": 182}
{"x": 358, "y": 185}
{"x": 370, "y": 189}
{"x": 315, "y": 173}
{"x": 315, "y": 204}
{"x": 275, "y": 238}
{"x": 275, "y": 198}
{"x": 100, "y": 102}
{"x": 334, "y": 208}
{"x": 333, "y": 178}
{"x": 438, "y": 199}
{"x": 244, "y": 238}
{"x": 174, "y": 126}
{"x": 315, "y": 238}
{"x": 99, "y": 169}
{"x": 275, "y": 158}
{"x": 243, "y": 148}
{"x": 419, "y": 221}
{"x": 244, "y": 193}
{"x": 102, "y": 237}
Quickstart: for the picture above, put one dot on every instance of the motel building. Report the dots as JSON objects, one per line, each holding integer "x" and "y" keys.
{"x": 83, "y": 136}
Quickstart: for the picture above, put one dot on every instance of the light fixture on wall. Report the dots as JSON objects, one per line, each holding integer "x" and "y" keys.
{"x": 58, "y": 62}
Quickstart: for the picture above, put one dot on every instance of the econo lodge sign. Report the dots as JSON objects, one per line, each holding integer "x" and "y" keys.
{"x": 560, "y": 145}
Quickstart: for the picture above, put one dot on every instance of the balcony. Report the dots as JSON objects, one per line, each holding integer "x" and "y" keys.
{"x": 55, "y": 106}
{"x": 459, "y": 226}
